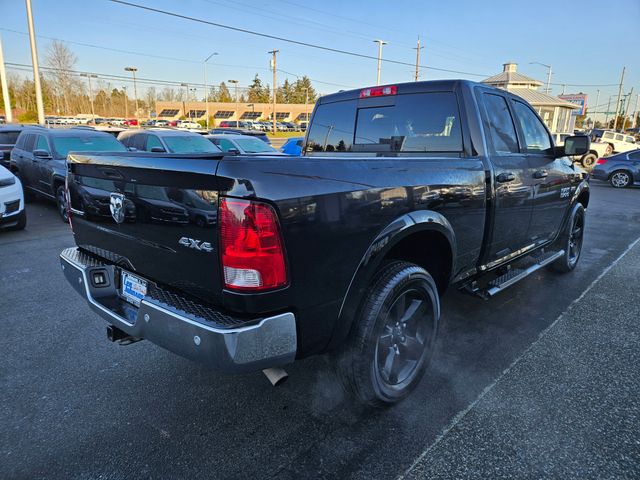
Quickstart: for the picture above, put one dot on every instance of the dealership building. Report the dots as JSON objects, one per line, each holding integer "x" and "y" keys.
{"x": 559, "y": 115}
{"x": 285, "y": 112}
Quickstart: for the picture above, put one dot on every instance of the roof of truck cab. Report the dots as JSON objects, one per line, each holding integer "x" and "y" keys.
{"x": 403, "y": 88}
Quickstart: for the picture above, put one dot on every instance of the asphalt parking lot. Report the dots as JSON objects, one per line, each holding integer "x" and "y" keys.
{"x": 73, "y": 405}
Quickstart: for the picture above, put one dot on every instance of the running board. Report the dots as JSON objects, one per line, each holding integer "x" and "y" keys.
{"x": 514, "y": 275}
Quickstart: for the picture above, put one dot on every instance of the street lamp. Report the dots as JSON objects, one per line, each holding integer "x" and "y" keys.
{"x": 206, "y": 90}
{"x": 89, "y": 77}
{"x": 380, "y": 44}
{"x": 133, "y": 70}
{"x": 548, "y": 89}
{"x": 235, "y": 82}
{"x": 126, "y": 103}
{"x": 192, "y": 90}
{"x": 186, "y": 95}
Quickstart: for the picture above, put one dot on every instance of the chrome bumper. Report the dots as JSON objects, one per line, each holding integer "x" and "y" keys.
{"x": 263, "y": 343}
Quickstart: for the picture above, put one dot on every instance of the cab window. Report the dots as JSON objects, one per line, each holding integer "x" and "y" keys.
{"x": 536, "y": 137}
{"x": 501, "y": 127}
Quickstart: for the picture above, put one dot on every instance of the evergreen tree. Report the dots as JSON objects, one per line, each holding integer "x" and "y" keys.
{"x": 257, "y": 92}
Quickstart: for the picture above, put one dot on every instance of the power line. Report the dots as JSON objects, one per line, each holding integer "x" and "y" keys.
{"x": 288, "y": 40}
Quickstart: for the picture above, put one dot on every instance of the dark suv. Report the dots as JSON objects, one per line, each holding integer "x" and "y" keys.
{"x": 39, "y": 158}
{"x": 8, "y": 137}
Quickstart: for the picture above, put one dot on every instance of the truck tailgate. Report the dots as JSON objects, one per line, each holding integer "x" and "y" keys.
{"x": 154, "y": 215}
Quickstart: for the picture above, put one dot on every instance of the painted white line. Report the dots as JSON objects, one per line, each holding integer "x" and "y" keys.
{"x": 490, "y": 387}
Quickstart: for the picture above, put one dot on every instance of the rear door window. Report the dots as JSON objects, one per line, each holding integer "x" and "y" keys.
{"x": 332, "y": 127}
{"x": 501, "y": 127}
{"x": 426, "y": 122}
{"x": 29, "y": 141}
{"x": 152, "y": 142}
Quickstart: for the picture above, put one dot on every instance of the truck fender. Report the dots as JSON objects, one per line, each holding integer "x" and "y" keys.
{"x": 390, "y": 236}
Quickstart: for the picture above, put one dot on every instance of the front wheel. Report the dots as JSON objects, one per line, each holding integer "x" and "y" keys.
{"x": 393, "y": 336}
{"x": 61, "y": 201}
{"x": 589, "y": 160}
{"x": 571, "y": 241}
{"x": 620, "y": 179}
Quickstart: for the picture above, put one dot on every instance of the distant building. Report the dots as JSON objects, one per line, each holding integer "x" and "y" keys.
{"x": 555, "y": 112}
{"x": 285, "y": 112}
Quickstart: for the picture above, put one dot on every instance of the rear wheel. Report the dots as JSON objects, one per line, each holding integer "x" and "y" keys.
{"x": 61, "y": 201}
{"x": 571, "y": 241}
{"x": 620, "y": 179}
{"x": 393, "y": 336}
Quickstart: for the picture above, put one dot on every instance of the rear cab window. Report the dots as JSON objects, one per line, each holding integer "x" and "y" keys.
{"x": 403, "y": 123}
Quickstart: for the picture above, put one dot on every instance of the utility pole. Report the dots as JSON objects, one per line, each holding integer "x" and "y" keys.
{"x": 306, "y": 106}
{"x": 206, "y": 90}
{"x": 417, "y": 49}
{"x": 626, "y": 108}
{"x": 547, "y": 90}
{"x": 606, "y": 117}
{"x": 34, "y": 61}
{"x": 89, "y": 77}
{"x": 615, "y": 119}
{"x": 563, "y": 87}
{"x": 5, "y": 88}
{"x": 274, "y": 68}
{"x": 191, "y": 112}
{"x": 235, "y": 82}
{"x": 635, "y": 114}
{"x": 380, "y": 44}
{"x": 186, "y": 95}
{"x": 595, "y": 109}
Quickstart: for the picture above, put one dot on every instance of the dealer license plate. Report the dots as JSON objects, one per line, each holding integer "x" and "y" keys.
{"x": 133, "y": 288}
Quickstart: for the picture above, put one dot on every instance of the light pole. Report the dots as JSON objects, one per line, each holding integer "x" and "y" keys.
{"x": 548, "y": 89}
{"x": 206, "y": 90}
{"x": 380, "y": 44}
{"x": 34, "y": 61}
{"x": 186, "y": 94}
{"x": 193, "y": 91}
{"x": 5, "y": 88}
{"x": 126, "y": 103}
{"x": 235, "y": 82}
{"x": 133, "y": 70}
{"x": 89, "y": 77}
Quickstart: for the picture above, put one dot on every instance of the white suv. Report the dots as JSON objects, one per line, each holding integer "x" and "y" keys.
{"x": 12, "y": 213}
{"x": 620, "y": 142}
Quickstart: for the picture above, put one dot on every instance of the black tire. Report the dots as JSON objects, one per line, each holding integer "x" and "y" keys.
{"x": 22, "y": 221}
{"x": 571, "y": 240}
{"x": 61, "y": 203}
{"x": 620, "y": 179}
{"x": 384, "y": 357}
{"x": 589, "y": 160}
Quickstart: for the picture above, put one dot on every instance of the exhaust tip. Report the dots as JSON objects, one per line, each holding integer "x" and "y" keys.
{"x": 277, "y": 376}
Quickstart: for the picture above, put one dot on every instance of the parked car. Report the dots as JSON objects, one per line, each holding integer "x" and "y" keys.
{"x": 132, "y": 122}
{"x": 621, "y": 170}
{"x": 403, "y": 191}
{"x": 241, "y": 144}
{"x": 8, "y": 137}
{"x": 115, "y": 131}
{"x": 619, "y": 142}
{"x": 234, "y": 124}
{"x": 13, "y": 215}
{"x": 303, "y": 126}
{"x": 166, "y": 141}
{"x": 188, "y": 125}
{"x": 39, "y": 158}
{"x": 293, "y": 146}
{"x": 240, "y": 131}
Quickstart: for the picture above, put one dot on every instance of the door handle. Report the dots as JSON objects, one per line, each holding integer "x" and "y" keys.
{"x": 541, "y": 174}
{"x": 506, "y": 177}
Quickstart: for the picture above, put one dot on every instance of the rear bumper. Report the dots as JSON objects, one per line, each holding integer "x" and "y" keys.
{"x": 599, "y": 174}
{"x": 231, "y": 345}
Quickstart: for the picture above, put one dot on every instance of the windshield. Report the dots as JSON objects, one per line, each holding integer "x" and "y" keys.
{"x": 86, "y": 143}
{"x": 253, "y": 145}
{"x": 9, "y": 138}
{"x": 190, "y": 144}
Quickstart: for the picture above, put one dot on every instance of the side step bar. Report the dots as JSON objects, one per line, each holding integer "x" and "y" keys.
{"x": 516, "y": 274}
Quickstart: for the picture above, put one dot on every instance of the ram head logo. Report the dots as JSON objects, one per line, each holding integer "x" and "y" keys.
{"x": 116, "y": 205}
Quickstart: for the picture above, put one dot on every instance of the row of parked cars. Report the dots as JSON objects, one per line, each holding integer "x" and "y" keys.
{"x": 33, "y": 158}
{"x": 264, "y": 126}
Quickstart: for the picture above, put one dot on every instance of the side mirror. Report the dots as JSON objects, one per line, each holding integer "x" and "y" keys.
{"x": 42, "y": 154}
{"x": 233, "y": 151}
{"x": 576, "y": 145}
{"x": 158, "y": 150}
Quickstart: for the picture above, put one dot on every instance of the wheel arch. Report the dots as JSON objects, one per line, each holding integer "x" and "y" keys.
{"x": 423, "y": 237}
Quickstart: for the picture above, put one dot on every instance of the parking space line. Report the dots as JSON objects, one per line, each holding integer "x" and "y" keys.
{"x": 490, "y": 387}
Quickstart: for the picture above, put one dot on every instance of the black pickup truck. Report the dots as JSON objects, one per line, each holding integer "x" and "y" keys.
{"x": 401, "y": 191}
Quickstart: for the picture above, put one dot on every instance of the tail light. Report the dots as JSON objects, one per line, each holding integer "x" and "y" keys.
{"x": 601, "y": 161}
{"x": 378, "y": 91}
{"x": 252, "y": 252}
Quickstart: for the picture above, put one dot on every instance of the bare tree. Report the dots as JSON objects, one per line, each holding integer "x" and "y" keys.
{"x": 168, "y": 94}
{"x": 62, "y": 60}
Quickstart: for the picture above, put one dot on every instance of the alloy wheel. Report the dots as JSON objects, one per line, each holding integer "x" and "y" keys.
{"x": 575, "y": 238}
{"x": 620, "y": 179}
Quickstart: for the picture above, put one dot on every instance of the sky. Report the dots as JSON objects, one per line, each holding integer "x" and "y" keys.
{"x": 473, "y": 38}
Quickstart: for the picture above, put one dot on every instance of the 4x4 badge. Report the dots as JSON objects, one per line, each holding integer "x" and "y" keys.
{"x": 116, "y": 205}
